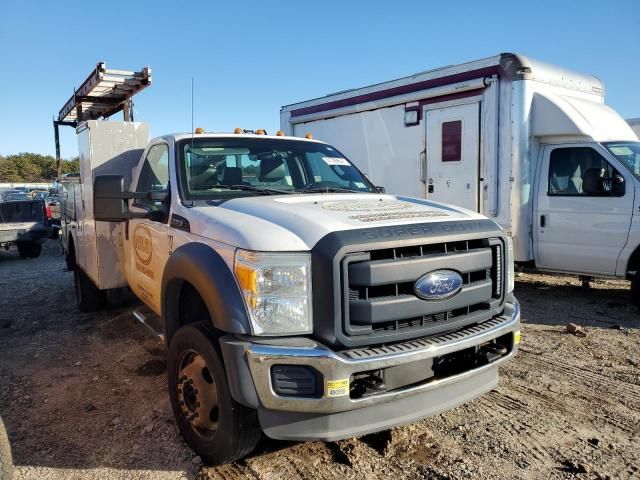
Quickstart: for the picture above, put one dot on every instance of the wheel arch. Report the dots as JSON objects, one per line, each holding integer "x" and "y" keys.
{"x": 70, "y": 252}
{"x": 633, "y": 265}
{"x": 201, "y": 267}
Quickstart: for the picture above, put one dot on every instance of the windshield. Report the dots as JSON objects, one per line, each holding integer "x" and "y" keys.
{"x": 628, "y": 153}
{"x": 220, "y": 168}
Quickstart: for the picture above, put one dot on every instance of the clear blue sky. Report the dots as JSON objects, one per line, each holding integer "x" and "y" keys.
{"x": 249, "y": 58}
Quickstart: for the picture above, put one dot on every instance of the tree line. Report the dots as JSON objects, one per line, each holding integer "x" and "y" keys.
{"x": 33, "y": 167}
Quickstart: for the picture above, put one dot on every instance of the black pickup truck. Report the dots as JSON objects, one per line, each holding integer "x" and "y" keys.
{"x": 24, "y": 223}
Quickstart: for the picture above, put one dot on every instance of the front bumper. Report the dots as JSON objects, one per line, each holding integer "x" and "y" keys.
{"x": 327, "y": 417}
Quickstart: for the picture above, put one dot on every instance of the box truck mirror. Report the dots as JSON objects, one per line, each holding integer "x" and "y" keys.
{"x": 618, "y": 185}
{"x": 110, "y": 199}
{"x": 381, "y": 189}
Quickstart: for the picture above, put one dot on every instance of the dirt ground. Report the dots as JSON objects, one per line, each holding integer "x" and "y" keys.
{"x": 83, "y": 396}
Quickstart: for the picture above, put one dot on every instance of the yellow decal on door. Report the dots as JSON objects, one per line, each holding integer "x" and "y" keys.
{"x": 142, "y": 244}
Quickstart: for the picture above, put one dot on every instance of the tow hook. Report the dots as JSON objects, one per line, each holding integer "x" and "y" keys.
{"x": 492, "y": 351}
{"x": 370, "y": 383}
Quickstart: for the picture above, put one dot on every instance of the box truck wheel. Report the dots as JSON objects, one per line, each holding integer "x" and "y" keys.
{"x": 29, "y": 249}
{"x": 89, "y": 298}
{"x": 6, "y": 464}
{"x": 214, "y": 425}
{"x": 635, "y": 289}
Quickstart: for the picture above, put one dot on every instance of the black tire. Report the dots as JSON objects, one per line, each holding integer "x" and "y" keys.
{"x": 29, "y": 249}
{"x": 635, "y": 290}
{"x": 89, "y": 298}
{"x": 6, "y": 463}
{"x": 238, "y": 430}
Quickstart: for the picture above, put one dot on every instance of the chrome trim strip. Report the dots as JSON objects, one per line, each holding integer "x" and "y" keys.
{"x": 332, "y": 366}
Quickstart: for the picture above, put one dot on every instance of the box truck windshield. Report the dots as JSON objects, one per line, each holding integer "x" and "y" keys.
{"x": 217, "y": 168}
{"x": 628, "y": 153}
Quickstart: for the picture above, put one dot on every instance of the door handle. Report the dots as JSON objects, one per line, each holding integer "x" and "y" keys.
{"x": 543, "y": 221}
{"x": 423, "y": 166}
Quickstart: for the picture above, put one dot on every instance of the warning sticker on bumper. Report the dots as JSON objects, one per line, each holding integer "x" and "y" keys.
{"x": 337, "y": 388}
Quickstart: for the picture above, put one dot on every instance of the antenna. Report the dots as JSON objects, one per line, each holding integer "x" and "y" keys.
{"x": 192, "y": 108}
{"x": 192, "y": 130}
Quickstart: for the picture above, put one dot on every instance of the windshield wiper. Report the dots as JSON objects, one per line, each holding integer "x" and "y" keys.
{"x": 327, "y": 190}
{"x": 250, "y": 188}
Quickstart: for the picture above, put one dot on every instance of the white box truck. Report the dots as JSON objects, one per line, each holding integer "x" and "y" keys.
{"x": 530, "y": 145}
{"x": 294, "y": 298}
{"x": 634, "y": 123}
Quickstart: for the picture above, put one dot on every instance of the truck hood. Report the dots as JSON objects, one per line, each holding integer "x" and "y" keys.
{"x": 298, "y": 222}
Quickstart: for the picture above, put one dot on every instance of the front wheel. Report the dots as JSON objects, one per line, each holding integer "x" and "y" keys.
{"x": 214, "y": 425}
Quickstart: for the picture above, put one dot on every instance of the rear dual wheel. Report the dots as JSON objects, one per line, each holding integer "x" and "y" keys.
{"x": 215, "y": 426}
{"x": 89, "y": 298}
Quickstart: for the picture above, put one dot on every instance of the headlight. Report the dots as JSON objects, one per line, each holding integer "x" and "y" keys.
{"x": 510, "y": 268}
{"x": 277, "y": 291}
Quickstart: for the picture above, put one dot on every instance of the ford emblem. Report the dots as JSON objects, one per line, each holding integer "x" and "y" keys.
{"x": 438, "y": 285}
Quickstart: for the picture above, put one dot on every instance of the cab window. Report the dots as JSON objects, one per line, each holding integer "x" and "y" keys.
{"x": 154, "y": 174}
{"x": 582, "y": 171}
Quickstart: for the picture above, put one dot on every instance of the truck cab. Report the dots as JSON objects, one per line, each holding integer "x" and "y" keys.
{"x": 587, "y": 208}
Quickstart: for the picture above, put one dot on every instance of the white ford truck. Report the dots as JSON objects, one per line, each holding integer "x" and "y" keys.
{"x": 295, "y": 298}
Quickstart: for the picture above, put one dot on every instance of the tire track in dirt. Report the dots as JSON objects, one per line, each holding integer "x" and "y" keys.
{"x": 629, "y": 391}
{"x": 532, "y": 445}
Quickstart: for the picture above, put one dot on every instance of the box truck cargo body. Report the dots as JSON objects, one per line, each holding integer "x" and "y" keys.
{"x": 634, "y": 123}
{"x": 529, "y": 144}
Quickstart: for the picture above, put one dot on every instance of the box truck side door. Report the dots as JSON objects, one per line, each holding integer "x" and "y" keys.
{"x": 453, "y": 155}
{"x": 582, "y": 215}
{"x": 148, "y": 242}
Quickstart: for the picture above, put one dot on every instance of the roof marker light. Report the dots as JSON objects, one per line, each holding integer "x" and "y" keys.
{"x": 261, "y": 131}
{"x": 199, "y": 130}
{"x": 309, "y": 135}
{"x": 237, "y": 130}
{"x": 280, "y": 133}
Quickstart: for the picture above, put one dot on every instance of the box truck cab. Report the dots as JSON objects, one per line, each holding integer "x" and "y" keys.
{"x": 528, "y": 144}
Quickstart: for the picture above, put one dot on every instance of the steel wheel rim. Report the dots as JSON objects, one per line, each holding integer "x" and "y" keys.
{"x": 197, "y": 394}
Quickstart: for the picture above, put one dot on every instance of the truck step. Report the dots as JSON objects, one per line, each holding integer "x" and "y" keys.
{"x": 150, "y": 320}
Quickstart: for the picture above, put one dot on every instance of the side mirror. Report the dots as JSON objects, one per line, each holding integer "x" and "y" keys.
{"x": 617, "y": 187}
{"x": 381, "y": 189}
{"x": 110, "y": 199}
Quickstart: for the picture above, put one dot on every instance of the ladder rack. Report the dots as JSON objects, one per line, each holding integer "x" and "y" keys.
{"x": 104, "y": 93}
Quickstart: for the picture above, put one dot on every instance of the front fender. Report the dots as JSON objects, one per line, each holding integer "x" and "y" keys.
{"x": 202, "y": 267}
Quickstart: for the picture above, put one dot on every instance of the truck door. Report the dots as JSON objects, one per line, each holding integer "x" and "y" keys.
{"x": 148, "y": 242}
{"x": 452, "y": 155}
{"x": 583, "y": 210}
